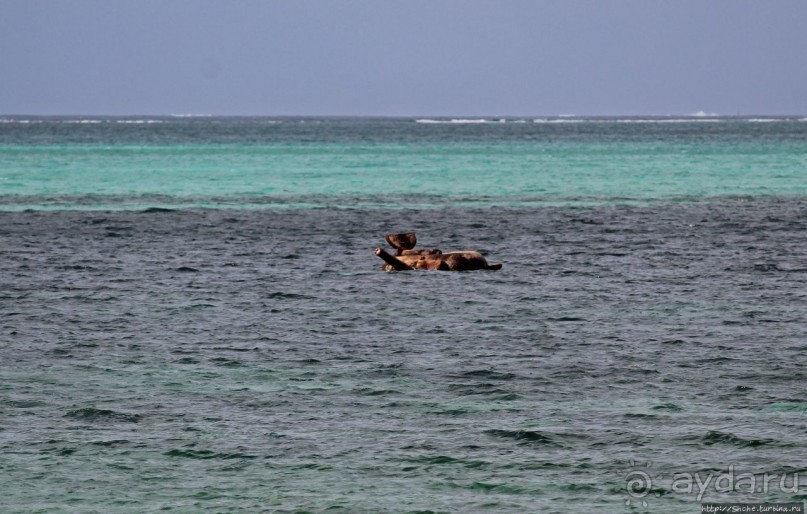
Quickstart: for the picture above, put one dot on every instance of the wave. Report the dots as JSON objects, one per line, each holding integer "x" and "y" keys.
{"x": 116, "y": 121}
{"x": 562, "y": 120}
{"x": 532, "y": 437}
{"x": 628, "y": 120}
{"x": 81, "y": 121}
{"x": 21, "y": 121}
{"x": 460, "y": 121}
{"x": 693, "y": 119}
{"x": 139, "y": 122}
{"x": 570, "y": 118}
{"x": 93, "y": 414}
{"x": 674, "y": 120}
{"x": 717, "y": 437}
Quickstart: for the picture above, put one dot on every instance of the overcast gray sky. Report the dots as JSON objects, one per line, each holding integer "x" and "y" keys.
{"x": 412, "y": 57}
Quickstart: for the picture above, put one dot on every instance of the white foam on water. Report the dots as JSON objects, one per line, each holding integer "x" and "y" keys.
{"x": 459, "y": 121}
{"x": 138, "y": 122}
{"x": 630, "y": 120}
{"x": 562, "y": 120}
{"x": 672, "y": 120}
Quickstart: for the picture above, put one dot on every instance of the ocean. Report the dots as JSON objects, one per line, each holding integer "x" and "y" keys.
{"x": 192, "y": 317}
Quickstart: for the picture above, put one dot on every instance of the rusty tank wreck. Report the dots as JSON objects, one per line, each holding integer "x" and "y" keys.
{"x": 407, "y": 257}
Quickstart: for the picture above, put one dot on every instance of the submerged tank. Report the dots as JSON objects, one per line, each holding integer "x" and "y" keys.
{"x": 407, "y": 257}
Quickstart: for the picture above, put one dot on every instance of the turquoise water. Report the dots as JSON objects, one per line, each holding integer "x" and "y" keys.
{"x": 58, "y": 163}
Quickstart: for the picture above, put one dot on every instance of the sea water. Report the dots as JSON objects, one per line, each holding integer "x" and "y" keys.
{"x": 192, "y": 317}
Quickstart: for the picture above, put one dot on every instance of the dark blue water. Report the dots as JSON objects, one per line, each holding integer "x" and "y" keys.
{"x": 257, "y": 360}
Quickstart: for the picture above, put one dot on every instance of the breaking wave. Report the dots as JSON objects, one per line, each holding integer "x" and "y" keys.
{"x": 459, "y": 121}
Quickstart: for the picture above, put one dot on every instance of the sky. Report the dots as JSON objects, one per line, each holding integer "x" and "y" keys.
{"x": 403, "y": 57}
